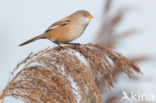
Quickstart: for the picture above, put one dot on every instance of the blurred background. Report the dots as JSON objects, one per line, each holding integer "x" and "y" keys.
{"x": 21, "y": 20}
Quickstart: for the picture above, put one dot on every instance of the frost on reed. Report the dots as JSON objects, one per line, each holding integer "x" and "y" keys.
{"x": 69, "y": 75}
{"x": 73, "y": 74}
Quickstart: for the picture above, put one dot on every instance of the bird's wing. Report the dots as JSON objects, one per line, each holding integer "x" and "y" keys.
{"x": 62, "y": 23}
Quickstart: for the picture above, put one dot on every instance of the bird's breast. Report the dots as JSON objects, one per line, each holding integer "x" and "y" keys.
{"x": 76, "y": 32}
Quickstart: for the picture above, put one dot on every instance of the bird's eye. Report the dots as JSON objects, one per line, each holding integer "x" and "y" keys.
{"x": 85, "y": 15}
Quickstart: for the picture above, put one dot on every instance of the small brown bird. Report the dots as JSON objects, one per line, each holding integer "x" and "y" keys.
{"x": 67, "y": 29}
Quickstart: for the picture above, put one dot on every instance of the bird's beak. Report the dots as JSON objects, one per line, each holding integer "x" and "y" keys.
{"x": 90, "y": 16}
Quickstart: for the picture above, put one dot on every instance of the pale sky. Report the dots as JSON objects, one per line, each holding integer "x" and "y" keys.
{"x": 23, "y": 19}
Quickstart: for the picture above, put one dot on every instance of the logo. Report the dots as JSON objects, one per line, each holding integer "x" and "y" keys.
{"x": 137, "y": 97}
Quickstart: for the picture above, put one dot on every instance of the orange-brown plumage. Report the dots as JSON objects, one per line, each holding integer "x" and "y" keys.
{"x": 67, "y": 29}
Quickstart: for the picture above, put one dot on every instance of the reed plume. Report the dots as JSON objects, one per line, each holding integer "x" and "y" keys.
{"x": 66, "y": 76}
{"x": 74, "y": 74}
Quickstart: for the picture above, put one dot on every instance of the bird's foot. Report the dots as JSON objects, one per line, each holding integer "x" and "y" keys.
{"x": 76, "y": 45}
{"x": 73, "y": 43}
{"x": 60, "y": 47}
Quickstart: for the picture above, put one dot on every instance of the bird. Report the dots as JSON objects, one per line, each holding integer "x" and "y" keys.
{"x": 65, "y": 30}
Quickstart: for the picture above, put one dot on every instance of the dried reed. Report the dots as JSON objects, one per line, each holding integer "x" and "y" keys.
{"x": 68, "y": 75}
{"x": 108, "y": 37}
{"x": 73, "y": 74}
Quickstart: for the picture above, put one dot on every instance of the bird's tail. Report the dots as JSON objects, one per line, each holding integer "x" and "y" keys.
{"x": 33, "y": 39}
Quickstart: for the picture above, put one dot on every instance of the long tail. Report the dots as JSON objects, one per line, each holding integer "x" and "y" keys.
{"x": 33, "y": 39}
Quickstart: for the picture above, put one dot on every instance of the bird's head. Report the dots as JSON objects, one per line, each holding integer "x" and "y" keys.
{"x": 82, "y": 17}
